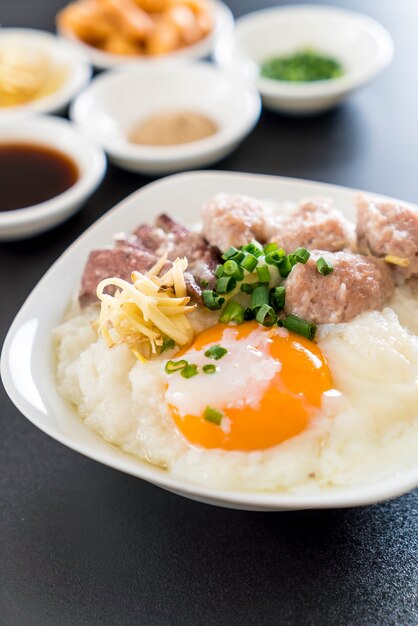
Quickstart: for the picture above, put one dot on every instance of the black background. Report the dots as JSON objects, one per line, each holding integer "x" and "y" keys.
{"x": 83, "y": 544}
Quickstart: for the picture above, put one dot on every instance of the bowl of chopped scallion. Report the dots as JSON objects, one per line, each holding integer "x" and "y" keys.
{"x": 306, "y": 59}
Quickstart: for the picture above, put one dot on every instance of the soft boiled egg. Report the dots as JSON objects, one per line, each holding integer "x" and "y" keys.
{"x": 265, "y": 388}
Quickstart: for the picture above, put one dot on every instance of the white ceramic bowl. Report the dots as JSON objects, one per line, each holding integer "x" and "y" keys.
{"x": 26, "y": 360}
{"x": 223, "y": 28}
{"x": 360, "y": 43}
{"x": 116, "y": 101}
{"x": 65, "y": 54}
{"x": 59, "y": 134}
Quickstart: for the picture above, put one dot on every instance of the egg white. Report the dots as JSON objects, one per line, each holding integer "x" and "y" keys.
{"x": 236, "y": 385}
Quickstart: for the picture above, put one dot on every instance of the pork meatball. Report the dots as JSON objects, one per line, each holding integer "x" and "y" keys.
{"x": 356, "y": 284}
{"x": 387, "y": 228}
{"x": 314, "y": 224}
{"x": 234, "y": 220}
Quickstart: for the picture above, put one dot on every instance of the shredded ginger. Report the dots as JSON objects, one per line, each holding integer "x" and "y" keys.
{"x": 397, "y": 260}
{"x": 144, "y": 313}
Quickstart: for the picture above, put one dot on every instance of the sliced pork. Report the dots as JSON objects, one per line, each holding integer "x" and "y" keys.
{"x": 356, "y": 284}
{"x": 141, "y": 250}
{"x": 202, "y": 257}
{"x": 314, "y": 224}
{"x": 111, "y": 262}
{"x": 149, "y": 238}
{"x": 386, "y": 228}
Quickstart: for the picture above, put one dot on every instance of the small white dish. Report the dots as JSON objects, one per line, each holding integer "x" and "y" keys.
{"x": 73, "y": 63}
{"x": 361, "y": 44}
{"x": 116, "y": 101}
{"x": 223, "y": 27}
{"x": 60, "y": 135}
{"x": 27, "y": 357}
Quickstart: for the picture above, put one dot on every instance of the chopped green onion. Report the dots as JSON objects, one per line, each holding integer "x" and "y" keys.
{"x": 238, "y": 256}
{"x": 175, "y": 366}
{"x": 249, "y": 314}
{"x": 323, "y": 266}
{"x": 231, "y": 252}
{"x": 301, "y": 66}
{"x": 270, "y": 247}
{"x": 204, "y": 283}
{"x": 300, "y": 326}
{"x": 233, "y": 312}
{"x": 277, "y": 298}
{"x": 259, "y": 296}
{"x": 226, "y": 284}
{"x": 231, "y": 268}
{"x": 276, "y": 257}
{"x": 211, "y": 300}
{"x": 249, "y": 287}
{"x": 263, "y": 273}
{"x": 216, "y": 352}
{"x": 209, "y": 368}
{"x": 213, "y": 415}
{"x": 189, "y": 371}
{"x": 249, "y": 262}
{"x": 285, "y": 267}
{"x": 301, "y": 255}
{"x": 219, "y": 271}
{"x": 266, "y": 315}
{"x": 168, "y": 343}
{"x": 254, "y": 248}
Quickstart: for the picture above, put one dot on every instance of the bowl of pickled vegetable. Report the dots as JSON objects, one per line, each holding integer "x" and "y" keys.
{"x": 306, "y": 59}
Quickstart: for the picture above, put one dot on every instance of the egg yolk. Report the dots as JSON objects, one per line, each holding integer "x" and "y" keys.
{"x": 288, "y": 400}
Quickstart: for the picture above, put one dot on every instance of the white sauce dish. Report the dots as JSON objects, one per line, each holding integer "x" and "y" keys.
{"x": 223, "y": 27}
{"x": 116, "y": 101}
{"x": 359, "y": 43}
{"x": 59, "y": 135}
{"x": 28, "y": 366}
{"x": 26, "y": 53}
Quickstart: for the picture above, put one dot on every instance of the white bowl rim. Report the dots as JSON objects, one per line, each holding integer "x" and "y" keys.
{"x": 86, "y": 182}
{"x": 303, "y": 90}
{"x": 249, "y": 500}
{"x": 224, "y": 21}
{"x": 77, "y": 61}
{"x": 133, "y": 153}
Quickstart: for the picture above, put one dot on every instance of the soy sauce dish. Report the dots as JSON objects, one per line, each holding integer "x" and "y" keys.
{"x": 47, "y": 170}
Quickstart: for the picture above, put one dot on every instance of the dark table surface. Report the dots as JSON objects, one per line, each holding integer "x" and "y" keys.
{"x": 83, "y": 544}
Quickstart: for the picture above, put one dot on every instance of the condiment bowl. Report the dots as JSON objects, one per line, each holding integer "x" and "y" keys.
{"x": 60, "y": 135}
{"x": 223, "y": 27}
{"x": 69, "y": 59}
{"x": 359, "y": 43}
{"x": 116, "y": 101}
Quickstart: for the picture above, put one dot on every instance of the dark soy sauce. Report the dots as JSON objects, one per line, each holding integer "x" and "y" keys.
{"x": 31, "y": 174}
